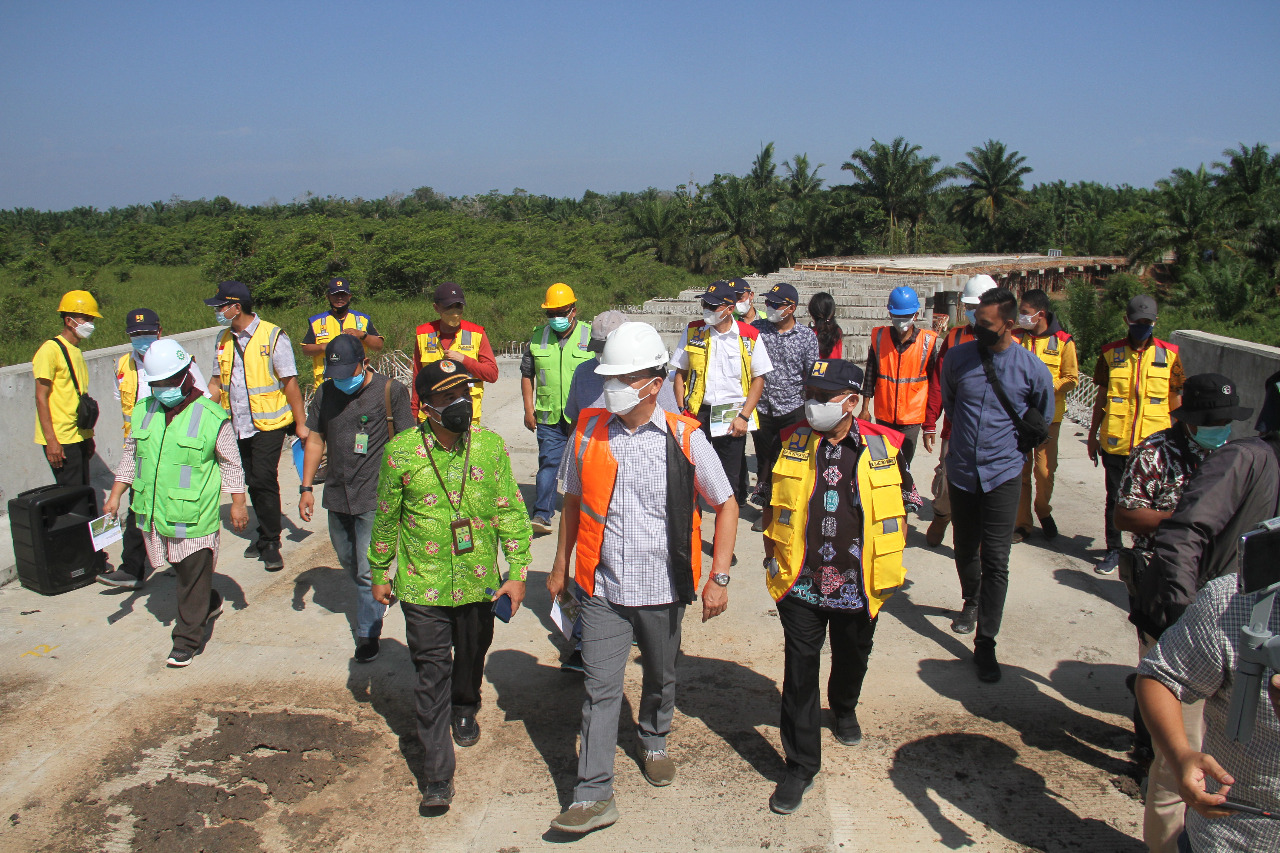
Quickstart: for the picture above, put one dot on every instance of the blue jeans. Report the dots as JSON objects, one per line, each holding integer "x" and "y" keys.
{"x": 552, "y": 439}
{"x": 350, "y": 535}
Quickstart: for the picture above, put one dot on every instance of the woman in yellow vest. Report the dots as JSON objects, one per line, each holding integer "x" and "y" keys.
{"x": 340, "y": 319}
{"x": 834, "y": 535}
{"x": 455, "y": 338}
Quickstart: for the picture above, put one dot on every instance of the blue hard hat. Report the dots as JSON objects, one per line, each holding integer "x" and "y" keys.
{"x": 903, "y": 300}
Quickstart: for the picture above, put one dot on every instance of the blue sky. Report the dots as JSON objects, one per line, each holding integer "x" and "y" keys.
{"x": 118, "y": 103}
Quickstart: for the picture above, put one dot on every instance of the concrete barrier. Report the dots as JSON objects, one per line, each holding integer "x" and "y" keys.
{"x": 25, "y": 466}
{"x": 1247, "y": 364}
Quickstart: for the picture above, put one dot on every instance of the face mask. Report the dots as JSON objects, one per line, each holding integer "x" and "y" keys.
{"x": 1212, "y": 437}
{"x": 223, "y": 319}
{"x": 824, "y": 416}
{"x": 169, "y": 397}
{"x": 455, "y": 417}
{"x": 351, "y": 384}
{"x": 742, "y": 307}
{"x": 775, "y": 315}
{"x": 141, "y": 342}
{"x": 971, "y": 314}
{"x": 711, "y": 318}
{"x": 1028, "y": 321}
{"x": 986, "y": 337}
{"x": 1140, "y": 331}
{"x": 903, "y": 326}
{"x": 451, "y": 317}
{"x": 338, "y": 312}
{"x": 84, "y": 330}
{"x": 619, "y": 397}
{"x": 560, "y": 324}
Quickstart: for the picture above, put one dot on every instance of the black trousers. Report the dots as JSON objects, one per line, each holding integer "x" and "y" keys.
{"x": 260, "y": 456}
{"x": 195, "y": 599}
{"x": 983, "y": 524}
{"x": 75, "y": 472}
{"x": 1113, "y": 466}
{"x": 769, "y": 444}
{"x": 804, "y": 629}
{"x": 133, "y": 555}
{"x": 732, "y": 452}
{"x": 910, "y": 438}
{"x": 448, "y": 646}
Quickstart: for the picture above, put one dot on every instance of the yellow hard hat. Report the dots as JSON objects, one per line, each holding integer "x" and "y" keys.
{"x": 558, "y": 296}
{"x": 79, "y": 302}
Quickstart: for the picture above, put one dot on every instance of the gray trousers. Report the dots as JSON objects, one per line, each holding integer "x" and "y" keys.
{"x": 606, "y": 646}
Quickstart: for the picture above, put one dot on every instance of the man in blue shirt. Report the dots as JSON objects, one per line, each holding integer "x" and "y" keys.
{"x": 984, "y": 465}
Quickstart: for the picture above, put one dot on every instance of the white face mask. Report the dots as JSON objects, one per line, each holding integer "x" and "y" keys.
{"x": 743, "y": 307}
{"x": 824, "y": 416}
{"x": 84, "y": 330}
{"x": 902, "y": 324}
{"x": 1028, "y": 321}
{"x": 711, "y": 318}
{"x": 774, "y": 315}
{"x": 619, "y": 397}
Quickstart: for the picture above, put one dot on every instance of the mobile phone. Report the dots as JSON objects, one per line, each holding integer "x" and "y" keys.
{"x": 1258, "y": 557}
{"x": 502, "y": 608}
{"x": 1241, "y": 807}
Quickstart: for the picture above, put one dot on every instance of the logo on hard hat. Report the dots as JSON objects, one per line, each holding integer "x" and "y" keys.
{"x": 447, "y": 366}
{"x": 181, "y": 355}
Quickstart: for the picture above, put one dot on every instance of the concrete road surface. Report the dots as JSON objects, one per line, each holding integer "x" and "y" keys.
{"x": 274, "y": 739}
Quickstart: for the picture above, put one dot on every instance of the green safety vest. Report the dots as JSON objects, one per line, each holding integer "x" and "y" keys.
{"x": 177, "y": 483}
{"x": 553, "y": 368}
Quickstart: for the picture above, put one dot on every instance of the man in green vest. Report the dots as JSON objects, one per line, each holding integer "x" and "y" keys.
{"x": 180, "y": 455}
{"x": 546, "y": 372}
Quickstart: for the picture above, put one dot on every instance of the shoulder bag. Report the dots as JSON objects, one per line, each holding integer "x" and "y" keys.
{"x": 87, "y": 410}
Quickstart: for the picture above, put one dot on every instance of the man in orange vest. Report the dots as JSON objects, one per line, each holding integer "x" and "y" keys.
{"x": 902, "y": 365}
{"x": 631, "y": 476}
{"x": 454, "y": 338}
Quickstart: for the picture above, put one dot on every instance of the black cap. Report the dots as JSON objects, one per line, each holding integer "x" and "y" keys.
{"x": 449, "y": 294}
{"x": 141, "y": 320}
{"x": 229, "y": 291}
{"x": 834, "y": 374}
{"x": 1141, "y": 307}
{"x": 740, "y": 287}
{"x": 439, "y": 376}
{"x": 719, "y": 293}
{"x": 1209, "y": 397}
{"x": 338, "y": 285}
{"x": 341, "y": 355}
{"x": 781, "y": 294}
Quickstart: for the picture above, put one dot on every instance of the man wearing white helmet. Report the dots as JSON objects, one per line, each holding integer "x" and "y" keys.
{"x": 631, "y": 471}
{"x": 181, "y": 454}
{"x": 956, "y": 335}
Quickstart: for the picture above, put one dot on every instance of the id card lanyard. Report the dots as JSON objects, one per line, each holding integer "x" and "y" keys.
{"x": 461, "y": 527}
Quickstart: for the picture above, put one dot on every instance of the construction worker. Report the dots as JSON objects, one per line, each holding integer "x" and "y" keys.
{"x": 181, "y": 454}
{"x": 1040, "y": 332}
{"x": 338, "y": 320}
{"x": 1139, "y": 379}
{"x": 902, "y": 365}
{"x": 632, "y": 477}
{"x": 551, "y": 355}
{"x": 456, "y": 339}
{"x": 956, "y": 335}
{"x": 257, "y": 382}
{"x": 143, "y": 327}
{"x": 720, "y": 375}
{"x": 62, "y": 377}
{"x": 833, "y": 555}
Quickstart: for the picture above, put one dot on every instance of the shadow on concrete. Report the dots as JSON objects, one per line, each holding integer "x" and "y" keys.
{"x": 981, "y": 777}
{"x": 386, "y": 685}
{"x": 330, "y": 588}
{"x": 1109, "y": 589}
{"x": 159, "y": 595}
{"x": 702, "y": 691}
{"x": 1097, "y": 686}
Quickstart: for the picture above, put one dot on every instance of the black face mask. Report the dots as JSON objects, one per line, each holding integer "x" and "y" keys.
{"x": 986, "y": 337}
{"x": 456, "y": 417}
{"x": 339, "y": 312}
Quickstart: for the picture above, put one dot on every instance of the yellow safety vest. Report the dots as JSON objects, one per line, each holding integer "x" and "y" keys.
{"x": 1050, "y": 349}
{"x": 127, "y": 379}
{"x": 698, "y": 348}
{"x": 466, "y": 341}
{"x": 325, "y": 327}
{"x": 1137, "y": 402}
{"x": 267, "y": 403}
{"x": 879, "y": 493}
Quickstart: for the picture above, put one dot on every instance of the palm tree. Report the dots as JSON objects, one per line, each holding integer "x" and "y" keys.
{"x": 655, "y": 224}
{"x": 898, "y": 178}
{"x": 1248, "y": 177}
{"x": 995, "y": 184}
{"x": 764, "y": 172}
{"x": 801, "y": 180}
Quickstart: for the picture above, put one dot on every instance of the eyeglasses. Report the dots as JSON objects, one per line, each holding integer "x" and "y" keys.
{"x": 561, "y": 312}
{"x": 818, "y": 396}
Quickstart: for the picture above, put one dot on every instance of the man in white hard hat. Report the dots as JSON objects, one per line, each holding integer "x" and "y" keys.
{"x": 181, "y": 454}
{"x": 630, "y": 471}
{"x": 963, "y": 333}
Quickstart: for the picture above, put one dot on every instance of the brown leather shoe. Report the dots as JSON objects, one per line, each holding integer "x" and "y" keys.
{"x": 937, "y": 530}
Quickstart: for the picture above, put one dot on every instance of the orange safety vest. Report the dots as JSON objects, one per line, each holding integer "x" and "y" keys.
{"x": 902, "y": 388}
{"x": 598, "y": 471}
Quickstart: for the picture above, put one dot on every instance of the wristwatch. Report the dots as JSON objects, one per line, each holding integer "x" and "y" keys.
{"x": 720, "y": 579}
{"x": 302, "y": 490}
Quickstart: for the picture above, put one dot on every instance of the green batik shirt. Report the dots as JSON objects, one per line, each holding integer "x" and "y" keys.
{"x": 414, "y": 515}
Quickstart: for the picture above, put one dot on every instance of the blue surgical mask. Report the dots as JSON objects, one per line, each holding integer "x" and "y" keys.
{"x": 971, "y": 314}
{"x": 223, "y": 319}
{"x": 351, "y": 384}
{"x": 169, "y": 397}
{"x": 141, "y": 342}
{"x": 1212, "y": 437}
{"x": 1140, "y": 331}
{"x": 560, "y": 324}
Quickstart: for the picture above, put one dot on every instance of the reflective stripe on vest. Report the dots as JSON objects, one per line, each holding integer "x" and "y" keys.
{"x": 267, "y": 403}
{"x": 902, "y": 383}
{"x": 127, "y": 378}
{"x": 1137, "y": 394}
{"x": 698, "y": 349}
{"x": 178, "y": 483}
{"x": 554, "y": 366}
{"x": 320, "y": 330}
{"x": 466, "y": 342}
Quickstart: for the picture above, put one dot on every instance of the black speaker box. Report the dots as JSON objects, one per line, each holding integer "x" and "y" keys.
{"x": 51, "y": 542}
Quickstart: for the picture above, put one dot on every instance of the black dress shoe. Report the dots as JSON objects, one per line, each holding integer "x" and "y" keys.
{"x": 438, "y": 795}
{"x": 966, "y": 620}
{"x": 789, "y": 794}
{"x": 984, "y": 657}
{"x": 466, "y": 731}
{"x": 1049, "y": 527}
{"x": 848, "y": 732}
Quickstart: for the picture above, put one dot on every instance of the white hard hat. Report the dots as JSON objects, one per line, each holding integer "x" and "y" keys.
{"x": 165, "y": 358}
{"x": 631, "y": 347}
{"x": 975, "y": 287}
